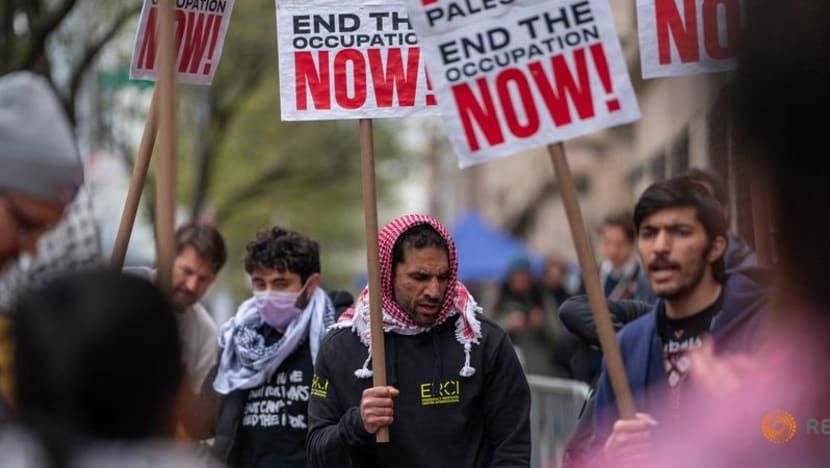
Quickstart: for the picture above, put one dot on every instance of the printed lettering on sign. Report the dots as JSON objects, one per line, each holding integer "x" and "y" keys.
{"x": 513, "y": 75}
{"x": 684, "y": 37}
{"x": 346, "y": 60}
{"x": 200, "y": 27}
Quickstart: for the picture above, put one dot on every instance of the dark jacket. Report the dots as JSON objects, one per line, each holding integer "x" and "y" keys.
{"x": 225, "y": 446}
{"x": 578, "y": 317}
{"x": 736, "y": 329}
{"x": 739, "y": 255}
{"x": 441, "y": 418}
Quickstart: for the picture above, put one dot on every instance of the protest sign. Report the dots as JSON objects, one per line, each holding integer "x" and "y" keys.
{"x": 201, "y": 26}
{"x": 518, "y": 74}
{"x": 349, "y": 60}
{"x": 685, "y": 37}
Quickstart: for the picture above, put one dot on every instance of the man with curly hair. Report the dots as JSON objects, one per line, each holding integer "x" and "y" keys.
{"x": 268, "y": 351}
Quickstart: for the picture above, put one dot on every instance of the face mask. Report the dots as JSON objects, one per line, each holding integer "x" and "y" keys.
{"x": 278, "y": 309}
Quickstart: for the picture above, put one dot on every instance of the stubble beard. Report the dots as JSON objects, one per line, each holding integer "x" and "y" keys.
{"x": 684, "y": 289}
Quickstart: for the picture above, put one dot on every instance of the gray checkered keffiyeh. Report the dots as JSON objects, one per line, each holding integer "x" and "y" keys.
{"x": 72, "y": 246}
{"x": 246, "y": 362}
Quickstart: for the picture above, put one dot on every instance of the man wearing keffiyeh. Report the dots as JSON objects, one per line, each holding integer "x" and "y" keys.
{"x": 268, "y": 350}
{"x": 456, "y": 394}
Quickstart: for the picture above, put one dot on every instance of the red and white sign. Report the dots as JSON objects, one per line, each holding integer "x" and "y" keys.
{"x": 686, "y": 37}
{"x": 200, "y": 33}
{"x": 512, "y": 75}
{"x": 350, "y": 60}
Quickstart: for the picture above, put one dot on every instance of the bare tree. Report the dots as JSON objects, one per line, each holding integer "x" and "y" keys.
{"x": 27, "y": 25}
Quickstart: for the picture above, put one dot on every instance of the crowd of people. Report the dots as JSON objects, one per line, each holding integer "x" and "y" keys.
{"x": 102, "y": 369}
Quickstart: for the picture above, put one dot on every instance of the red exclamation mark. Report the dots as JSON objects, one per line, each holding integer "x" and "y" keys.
{"x": 430, "y": 97}
{"x": 214, "y": 38}
{"x": 601, "y": 63}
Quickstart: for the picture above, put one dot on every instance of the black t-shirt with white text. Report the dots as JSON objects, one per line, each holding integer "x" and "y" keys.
{"x": 678, "y": 336}
{"x": 274, "y": 422}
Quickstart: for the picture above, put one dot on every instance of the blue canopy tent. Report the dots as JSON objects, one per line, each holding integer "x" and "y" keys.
{"x": 484, "y": 252}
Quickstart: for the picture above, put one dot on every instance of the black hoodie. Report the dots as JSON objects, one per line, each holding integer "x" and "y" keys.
{"x": 441, "y": 418}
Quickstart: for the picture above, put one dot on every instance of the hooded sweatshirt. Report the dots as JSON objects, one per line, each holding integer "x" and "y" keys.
{"x": 734, "y": 330}
{"x": 464, "y": 400}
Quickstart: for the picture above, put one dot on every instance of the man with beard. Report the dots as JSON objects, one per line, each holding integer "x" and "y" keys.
{"x": 454, "y": 378}
{"x": 681, "y": 241}
{"x": 200, "y": 254}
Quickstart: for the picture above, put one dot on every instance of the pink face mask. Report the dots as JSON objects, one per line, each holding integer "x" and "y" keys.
{"x": 278, "y": 308}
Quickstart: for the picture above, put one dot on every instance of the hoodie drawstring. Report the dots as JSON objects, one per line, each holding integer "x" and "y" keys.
{"x": 364, "y": 372}
{"x": 467, "y": 370}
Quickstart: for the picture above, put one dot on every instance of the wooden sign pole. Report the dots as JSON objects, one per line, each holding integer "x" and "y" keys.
{"x": 596, "y": 297}
{"x": 166, "y": 162}
{"x": 142, "y": 162}
{"x": 370, "y": 213}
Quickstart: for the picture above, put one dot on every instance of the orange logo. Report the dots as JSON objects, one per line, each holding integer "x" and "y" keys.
{"x": 778, "y": 426}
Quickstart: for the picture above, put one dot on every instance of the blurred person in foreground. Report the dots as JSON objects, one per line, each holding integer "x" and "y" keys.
{"x": 455, "y": 395}
{"x": 681, "y": 238}
{"x": 96, "y": 377}
{"x": 40, "y": 168}
{"x": 200, "y": 255}
{"x": 770, "y": 408}
{"x": 40, "y": 173}
{"x": 268, "y": 350}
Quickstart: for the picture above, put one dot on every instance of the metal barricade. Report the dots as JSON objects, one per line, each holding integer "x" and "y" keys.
{"x": 554, "y": 411}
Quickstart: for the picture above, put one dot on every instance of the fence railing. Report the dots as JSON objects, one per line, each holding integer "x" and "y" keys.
{"x": 554, "y": 411}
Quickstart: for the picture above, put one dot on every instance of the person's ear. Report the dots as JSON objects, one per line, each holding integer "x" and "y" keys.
{"x": 717, "y": 249}
{"x": 311, "y": 284}
{"x": 313, "y": 281}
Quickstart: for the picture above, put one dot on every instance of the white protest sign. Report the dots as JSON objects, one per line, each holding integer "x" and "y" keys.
{"x": 686, "y": 37}
{"x": 512, "y": 75}
{"x": 201, "y": 26}
{"x": 349, "y": 60}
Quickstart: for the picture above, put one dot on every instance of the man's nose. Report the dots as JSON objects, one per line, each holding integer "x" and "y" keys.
{"x": 433, "y": 289}
{"x": 191, "y": 282}
{"x": 662, "y": 242}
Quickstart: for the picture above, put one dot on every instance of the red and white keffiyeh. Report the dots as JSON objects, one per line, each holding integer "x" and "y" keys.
{"x": 457, "y": 300}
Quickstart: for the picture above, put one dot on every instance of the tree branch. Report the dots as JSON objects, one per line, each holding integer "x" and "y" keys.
{"x": 40, "y": 30}
{"x": 6, "y": 31}
{"x": 251, "y": 190}
{"x": 91, "y": 52}
{"x": 224, "y": 109}
{"x": 48, "y": 22}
